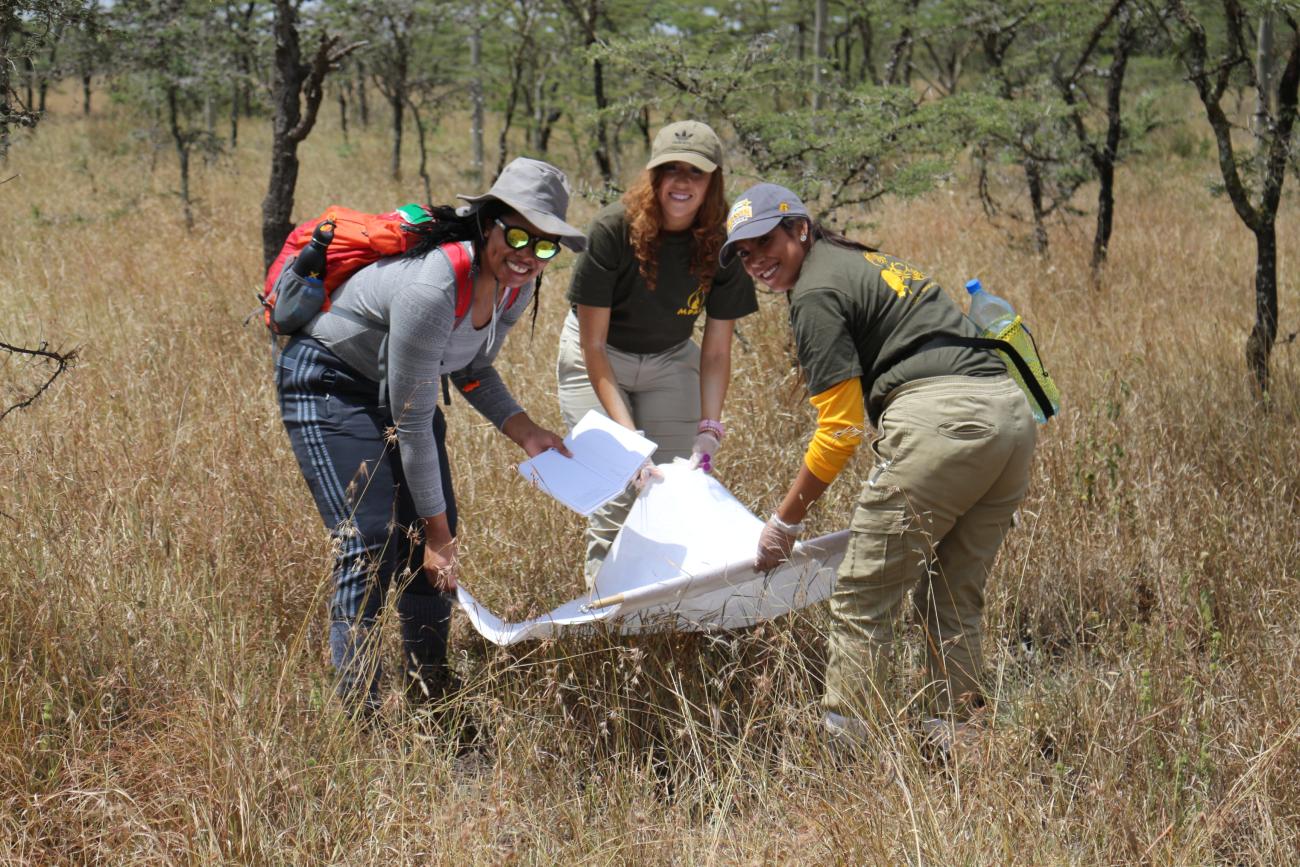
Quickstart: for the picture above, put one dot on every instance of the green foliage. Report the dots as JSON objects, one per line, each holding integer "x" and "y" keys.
{"x": 27, "y": 28}
{"x": 865, "y": 142}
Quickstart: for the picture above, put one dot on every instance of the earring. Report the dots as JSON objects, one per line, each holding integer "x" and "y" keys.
{"x": 803, "y": 237}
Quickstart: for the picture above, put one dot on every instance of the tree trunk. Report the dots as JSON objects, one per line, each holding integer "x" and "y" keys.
{"x": 343, "y": 112}
{"x": 291, "y": 82}
{"x": 511, "y": 103}
{"x": 29, "y": 76}
{"x": 286, "y": 86}
{"x": 867, "y": 35}
{"x": 602, "y": 134}
{"x": 8, "y": 26}
{"x": 643, "y": 124}
{"x": 1105, "y": 159}
{"x": 209, "y": 114}
{"x": 182, "y": 140}
{"x": 397, "y": 103}
{"x": 477, "y": 155}
{"x": 85, "y": 93}
{"x": 363, "y": 102}
{"x": 1264, "y": 86}
{"x": 424, "y": 153}
{"x": 819, "y": 51}
{"x": 544, "y": 117}
{"x": 51, "y": 64}
{"x": 1034, "y": 179}
{"x": 234, "y": 116}
{"x": 898, "y": 70}
{"x": 1259, "y": 345}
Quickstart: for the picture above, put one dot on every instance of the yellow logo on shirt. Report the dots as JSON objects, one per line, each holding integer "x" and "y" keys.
{"x": 740, "y": 212}
{"x": 695, "y": 301}
{"x": 897, "y": 275}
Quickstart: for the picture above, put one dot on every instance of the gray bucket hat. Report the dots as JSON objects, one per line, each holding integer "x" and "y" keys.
{"x": 538, "y": 192}
{"x": 757, "y": 212}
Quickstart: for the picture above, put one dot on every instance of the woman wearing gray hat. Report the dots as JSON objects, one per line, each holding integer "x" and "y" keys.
{"x": 648, "y": 273}
{"x": 371, "y": 365}
{"x": 880, "y": 341}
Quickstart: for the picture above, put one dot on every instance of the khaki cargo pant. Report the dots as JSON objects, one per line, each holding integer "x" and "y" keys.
{"x": 663, "y": 393}
{"x": 953, "y": 456}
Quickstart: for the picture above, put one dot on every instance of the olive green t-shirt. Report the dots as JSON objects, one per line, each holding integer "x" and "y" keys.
{"x": 866, "y": 314}
{"x": 645, "y": 321}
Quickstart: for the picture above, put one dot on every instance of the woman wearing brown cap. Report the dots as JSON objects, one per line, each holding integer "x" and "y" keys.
{"x": 371, "y": 365}
{"x": 881, "y": 342}
{"x": 649, "y": 271}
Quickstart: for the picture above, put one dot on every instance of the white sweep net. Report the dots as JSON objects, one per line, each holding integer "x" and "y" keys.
{"x": 683, "y": 561}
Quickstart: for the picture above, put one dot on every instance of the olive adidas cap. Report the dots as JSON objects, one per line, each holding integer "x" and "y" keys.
{"x": 687, "y": 141}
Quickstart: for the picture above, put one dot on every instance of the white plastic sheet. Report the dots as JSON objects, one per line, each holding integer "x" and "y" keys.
{"x": 683, "y": 561}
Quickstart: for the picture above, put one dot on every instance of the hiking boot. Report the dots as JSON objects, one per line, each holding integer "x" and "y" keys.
{"x": 844, "y": 729}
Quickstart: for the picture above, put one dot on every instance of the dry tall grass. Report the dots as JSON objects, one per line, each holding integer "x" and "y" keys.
{"x": 163, "y": 573}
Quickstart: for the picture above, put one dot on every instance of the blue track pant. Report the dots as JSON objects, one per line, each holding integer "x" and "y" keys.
{"x": 340, "y": 435}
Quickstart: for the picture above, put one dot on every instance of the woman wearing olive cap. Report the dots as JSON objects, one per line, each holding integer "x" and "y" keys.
{"x": 880, "y": 342}
{"x": 370, "y": 365}
{"x": 649, "y": 271}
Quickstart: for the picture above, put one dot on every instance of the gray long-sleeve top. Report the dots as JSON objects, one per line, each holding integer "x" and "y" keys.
{"x": 397, "y": 318}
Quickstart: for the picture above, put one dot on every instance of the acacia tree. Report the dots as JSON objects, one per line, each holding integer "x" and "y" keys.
{"x": 88, "y": 49}
{"x": 884, "y": 140}
{"x": 240, "y": 31}
{"x": 1254, "y": 186}
{"x": 27, "y": 29}
{"x": 945, "y": 42}
{"x": 1123, "y": 18}
{"x": 593, "y": 19}
{"x": 522, "y": 20}
{"x": 1016, "y": 115}
{"x": 429, "y": 92}
{"x": 296, "y": 93}
{"x": 172, "y": 56}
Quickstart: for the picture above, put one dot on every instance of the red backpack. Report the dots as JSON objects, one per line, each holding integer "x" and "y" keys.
{"x": 359, "y": 239}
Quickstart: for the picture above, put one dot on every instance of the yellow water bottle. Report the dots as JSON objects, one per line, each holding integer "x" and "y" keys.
{"x": 999, "y": 321}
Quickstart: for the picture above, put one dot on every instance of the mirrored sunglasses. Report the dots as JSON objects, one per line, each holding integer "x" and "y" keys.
{"x": 518, "y": 239}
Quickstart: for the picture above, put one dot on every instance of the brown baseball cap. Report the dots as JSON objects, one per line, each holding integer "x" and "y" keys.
{"x": 687, "y": 141}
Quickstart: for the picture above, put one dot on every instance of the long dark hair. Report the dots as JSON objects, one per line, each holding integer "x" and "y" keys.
{"x": 447, "y": 227}
{"x": 820, "y": 232}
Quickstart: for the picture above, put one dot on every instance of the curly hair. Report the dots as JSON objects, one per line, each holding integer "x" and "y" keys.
{"x": 645, "y": 225}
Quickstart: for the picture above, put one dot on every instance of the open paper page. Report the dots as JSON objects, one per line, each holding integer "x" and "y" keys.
{"x": 606, "y": 456}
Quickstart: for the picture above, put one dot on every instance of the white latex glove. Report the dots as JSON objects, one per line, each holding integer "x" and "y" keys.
{"x": 646, "y": 475}
{"x": 775, "y": 544}
{"x": 706, "y": 444}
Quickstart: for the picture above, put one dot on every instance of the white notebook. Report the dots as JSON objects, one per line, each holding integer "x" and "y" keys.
{"x": 606, "y": 456}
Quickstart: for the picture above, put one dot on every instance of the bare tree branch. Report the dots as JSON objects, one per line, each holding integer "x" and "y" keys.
{"x": 61, "y": 361}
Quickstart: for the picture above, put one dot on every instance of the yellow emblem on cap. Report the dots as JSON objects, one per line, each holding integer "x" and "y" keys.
{"x": 783, "y": 207}
{"x": 740, "y": 212}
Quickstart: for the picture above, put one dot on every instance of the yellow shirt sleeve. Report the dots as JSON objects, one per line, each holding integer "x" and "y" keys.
{"x": 841, "y": 419}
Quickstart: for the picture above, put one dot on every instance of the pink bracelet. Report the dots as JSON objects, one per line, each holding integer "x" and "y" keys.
{"x": 713, "y": 427}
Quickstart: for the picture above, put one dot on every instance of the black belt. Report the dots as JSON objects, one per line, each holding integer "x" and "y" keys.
{"x": 1022, "y": 366}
